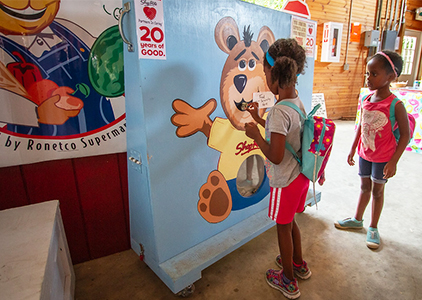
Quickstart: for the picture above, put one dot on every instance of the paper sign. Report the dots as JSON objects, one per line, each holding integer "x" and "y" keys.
{"x": 264, "y": 99}
{"x": 319, "y": 99}
{"x": 150, "y": 29}
{"x": 304, "y": 31}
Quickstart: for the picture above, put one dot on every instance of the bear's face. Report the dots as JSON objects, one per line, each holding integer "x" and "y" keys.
{"x": 242, "y": 76}
{"x": 243, "y": 72}
{"x": 26, "y": 17}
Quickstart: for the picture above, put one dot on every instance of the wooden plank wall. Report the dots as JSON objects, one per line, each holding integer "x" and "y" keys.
{"x": 93, "y": 197}
{"x": 341, "y": 87}
{"x": 411, "y": 23}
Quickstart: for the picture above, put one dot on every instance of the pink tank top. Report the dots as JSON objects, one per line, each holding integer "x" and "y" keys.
{"x": 377, "y": 142}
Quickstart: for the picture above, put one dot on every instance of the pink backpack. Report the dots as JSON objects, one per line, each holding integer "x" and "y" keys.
{"x": 412, "y": 121}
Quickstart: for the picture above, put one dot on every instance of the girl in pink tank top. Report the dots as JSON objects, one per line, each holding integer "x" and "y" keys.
{"x": 377, "y": 142}
{"x": 377, "y": 148}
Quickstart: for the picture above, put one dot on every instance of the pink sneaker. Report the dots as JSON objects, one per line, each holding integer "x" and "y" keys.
{"x": 274, "y": 279}
{"x": 303, "y": 272}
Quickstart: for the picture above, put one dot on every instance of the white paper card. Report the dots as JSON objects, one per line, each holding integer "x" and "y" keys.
{"x": 264, "y": 99}
{"x": 319, "y": 99}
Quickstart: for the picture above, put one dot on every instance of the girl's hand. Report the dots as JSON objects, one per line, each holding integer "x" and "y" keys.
{"x": 252, "y": 131}
{"x": 390, "y": 170}
{"x": 350, "y": 159}
{"x": 252, "y": 108}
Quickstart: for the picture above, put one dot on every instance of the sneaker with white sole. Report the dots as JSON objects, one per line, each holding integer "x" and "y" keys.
{"x": 275, "y": 280}
{"x": 373, "y": 238}
{"x": 349, "y": 223}
{"x": 303, "y": 272}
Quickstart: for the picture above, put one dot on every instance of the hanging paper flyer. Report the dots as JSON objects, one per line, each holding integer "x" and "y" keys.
{"x": 304, "y": 31}
{"x": 150, "y": 29}
{"x": 318, "y": 98}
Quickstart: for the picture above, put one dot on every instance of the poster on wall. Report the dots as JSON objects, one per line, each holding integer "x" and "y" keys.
{"x": 150, "y": 29}
{"x": 58, "y": 97}
{"x": 304, "y": 31}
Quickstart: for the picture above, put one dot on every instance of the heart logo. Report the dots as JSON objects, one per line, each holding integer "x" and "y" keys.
{"x": 310, "y": 30}
{"x": 150, "y": 12}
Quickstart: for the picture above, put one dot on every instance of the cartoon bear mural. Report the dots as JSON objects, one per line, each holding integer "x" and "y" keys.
{"x": 242, "y": 75}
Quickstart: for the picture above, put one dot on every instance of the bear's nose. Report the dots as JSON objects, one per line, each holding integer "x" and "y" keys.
{"x": 240, "y": 82}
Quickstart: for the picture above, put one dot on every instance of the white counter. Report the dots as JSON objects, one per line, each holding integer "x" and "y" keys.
{"x": 34, "y": 255}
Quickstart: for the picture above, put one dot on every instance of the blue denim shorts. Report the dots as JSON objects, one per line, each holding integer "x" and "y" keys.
{"x": 372, "y": 170}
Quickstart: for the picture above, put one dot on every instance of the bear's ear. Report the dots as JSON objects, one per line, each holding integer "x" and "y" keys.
{"x": 226, "y": 34}
{"x": 265, "y": 38}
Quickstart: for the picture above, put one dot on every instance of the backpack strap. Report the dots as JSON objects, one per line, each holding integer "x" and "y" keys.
{"x": 363, "y": 99}
{"x": 299, "y": 111}
{"x": 303, "y": 116}
{"x": 294, "y": 106}
{"x": 290, "y": 148}
{"x": 393, "y": 112}
{"x": 366, "y": 97}
{"x": 393, "y": 117}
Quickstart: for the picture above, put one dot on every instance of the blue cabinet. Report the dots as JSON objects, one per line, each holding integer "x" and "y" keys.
{"x": 186, "y": 146}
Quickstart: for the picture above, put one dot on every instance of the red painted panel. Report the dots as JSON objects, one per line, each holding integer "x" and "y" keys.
{"x": 56, "y": 180}
{"x": 12, "y": 188}
{"x": 100, "y": 192}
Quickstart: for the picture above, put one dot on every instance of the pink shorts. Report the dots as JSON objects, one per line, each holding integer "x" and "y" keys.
{"x": 286, "y": 202}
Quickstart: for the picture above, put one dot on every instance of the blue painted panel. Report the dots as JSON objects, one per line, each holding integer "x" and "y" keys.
{"x": 175, "y": 167}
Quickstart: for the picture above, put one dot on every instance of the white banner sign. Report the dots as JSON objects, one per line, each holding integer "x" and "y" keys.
{"x": 21, "y": 149}
{"x": 150, "y": 29}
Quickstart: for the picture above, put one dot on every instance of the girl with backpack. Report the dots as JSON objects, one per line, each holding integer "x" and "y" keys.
{"x": 283, "y": 62}
{"x": 375, "y": 142}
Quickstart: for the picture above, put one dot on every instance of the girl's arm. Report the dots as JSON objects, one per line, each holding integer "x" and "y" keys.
{"x": 274, "y": 151}
{"x": 352, "y": 152}
{"x": 403, "y": 124}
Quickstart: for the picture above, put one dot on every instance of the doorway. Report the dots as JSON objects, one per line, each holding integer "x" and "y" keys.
{"x": 411, "y": 54}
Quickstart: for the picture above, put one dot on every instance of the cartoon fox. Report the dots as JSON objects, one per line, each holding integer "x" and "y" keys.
{"x": 242, "y": 75}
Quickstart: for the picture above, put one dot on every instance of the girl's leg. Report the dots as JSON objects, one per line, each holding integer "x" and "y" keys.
{"x": 364, "y": 197}
{"x": 285, "y": 243}
{"x": 289, "y": 239}
{"x": 377, "y": 203}
{"x": 297, "y": 244}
